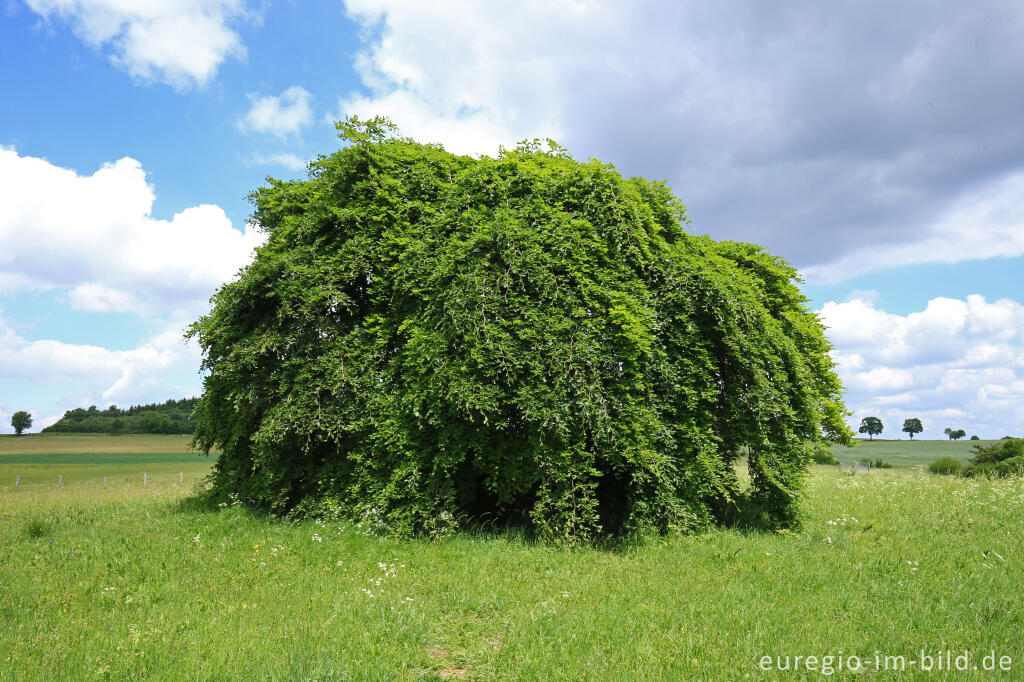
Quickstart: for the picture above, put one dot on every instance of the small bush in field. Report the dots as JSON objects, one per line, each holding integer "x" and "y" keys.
{"x": 877, "y": 463}
{"x": 947, "y": 466}
{"x": 822, "y": 454}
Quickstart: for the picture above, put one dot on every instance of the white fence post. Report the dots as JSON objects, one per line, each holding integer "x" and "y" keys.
{"x": 17, "y": 481}
{"x": 143, "y": 479}
{"x": 104, "y": 481}
{"x": 181, "y": 477}
{"x": 60, "y": 481}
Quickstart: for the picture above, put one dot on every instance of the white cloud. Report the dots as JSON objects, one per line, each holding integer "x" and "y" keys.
{"x": 988, "y": 223}
{"x": 957, "y": 363}
{"x": 98, "y": 298}
{"x": 472, "y": 76}
{"x": 839, "y": 165}
{"x": 280, "y": 115}
{"x": 99, "y": 375}
{"x": 93, "y": 235}
{"x": 292, "y": 162}
{"x": 181, "y": 42}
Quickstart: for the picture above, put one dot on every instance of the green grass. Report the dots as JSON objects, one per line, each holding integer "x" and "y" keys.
{"x": 92, "y": 443}
{"x": 134, "y": 583}
{"x": 903, "y": 453}
{"x": 84, "y": 459}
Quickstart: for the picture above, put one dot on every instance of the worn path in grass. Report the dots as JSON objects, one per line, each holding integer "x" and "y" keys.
{"x": 136, "y": 585}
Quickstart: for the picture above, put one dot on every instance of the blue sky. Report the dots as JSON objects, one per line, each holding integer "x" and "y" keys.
{"x": 879, "y": 149}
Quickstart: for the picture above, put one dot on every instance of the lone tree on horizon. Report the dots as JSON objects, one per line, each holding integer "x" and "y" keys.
{"x": 428, "y": 339}
{"x": 21, "y": 420}
{"x": 912, "y": 426}
{"x": 871, "y": 426}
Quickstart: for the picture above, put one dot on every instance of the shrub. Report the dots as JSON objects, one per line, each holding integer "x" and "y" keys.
{"x": 1000, "y": 459}
{"x": 523, "y": 339}
{"x": 1010, "y": 467}
{"x": 947, "y": 466}
{"x": 821, "y": 453}
{"x": 974, "y": 438}
{"x": 876, "y": 463}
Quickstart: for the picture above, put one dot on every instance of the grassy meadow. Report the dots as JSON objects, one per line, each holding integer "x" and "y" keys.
{"x": 142, "y": 583}
{"x": 908, "y": 452}
{"x": 83, "y": 459}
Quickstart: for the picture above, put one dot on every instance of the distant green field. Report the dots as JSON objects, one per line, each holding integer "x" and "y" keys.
{"x": 92, "y": 443}
{"x": 908, "y": 452}
{"x": 84, "y": 459}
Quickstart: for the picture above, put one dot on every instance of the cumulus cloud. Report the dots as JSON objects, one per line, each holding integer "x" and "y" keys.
{"x": 280, "y": 115}
{"x": 181, "y": 42}
{"x": 93, "y": 236}
{"x": 98, "y": 298}
{"x": 99, "y": 375}
{"x": 760, "y": 119}
{"x": 292, "y": 162}
{"x": 957, "y": 363}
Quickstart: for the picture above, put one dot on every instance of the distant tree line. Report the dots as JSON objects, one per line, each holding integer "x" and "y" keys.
{"x": 172, "y": 416}
{"x": 873, "y": 426}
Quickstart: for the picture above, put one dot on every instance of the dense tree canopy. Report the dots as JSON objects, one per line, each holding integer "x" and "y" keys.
{"x": 871, "y": 426}
{"x": 172, "y": 416}
{"x": 912, "y": 426}
{"x": 21, "y": 420}
{"x": 429, "y": 339}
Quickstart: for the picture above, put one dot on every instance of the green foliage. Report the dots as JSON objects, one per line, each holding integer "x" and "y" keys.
{"x": 20, "y": 421}
{"x": 947, "y": 466}
{"x": 157, "y": 423}
{"x": 36, "y": 528}
{"x": 876, "y": 463}
{"x": 956, "y": 434}
{"x": 172, "y": 417}
{"x": 912, "y": 426}
{"x": 871, "y": 426}
{"x": 975, "y": 438}
{"x": 522, "y": 340}
{"x": 1000, "y": 459}
{"x": 821, "y": 453}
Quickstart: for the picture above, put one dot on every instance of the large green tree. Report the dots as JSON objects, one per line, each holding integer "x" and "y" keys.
{"x": 912, "y": 426}
{"x": 871, "y": 426}
{"x": 428, "y": 338}
{"x": 21, "y": 420}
